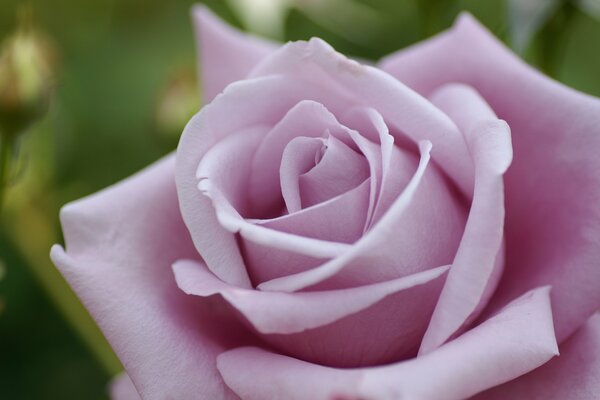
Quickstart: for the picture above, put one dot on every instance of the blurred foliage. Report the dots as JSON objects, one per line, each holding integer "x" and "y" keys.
{"x": 123, "y": 83}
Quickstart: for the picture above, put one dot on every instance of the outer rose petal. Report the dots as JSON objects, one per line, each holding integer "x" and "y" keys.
{"x": 120, "y": 245}
{"x": 575, "y": 375}
{"x": 225, "y": 54}
{"x": 479, "y": 260}
{"x": 552, "y": 224}
{"x": 121, "y": 388}
{"x": 515, "y": 341}
{"x": 365, "y": 325}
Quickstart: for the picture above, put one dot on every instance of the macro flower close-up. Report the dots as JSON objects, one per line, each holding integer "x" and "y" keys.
{"x": 421, "y": 227}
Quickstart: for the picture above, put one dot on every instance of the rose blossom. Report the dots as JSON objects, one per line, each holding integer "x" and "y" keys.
{"x": 426, "y": 229}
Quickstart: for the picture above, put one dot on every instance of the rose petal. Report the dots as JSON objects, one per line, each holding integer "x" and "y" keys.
{"x": 387, "y": 253}
{"x": 553, "y": 187}
{"x": 120, "y": 243}
{"x": 313, "y": 276}
{"x": 340, "y": 170}
{"x": 575, "y": 375}
{"x": 479, "y": 259}
{"x": 326, "y": 221}
{"x": 244, "y": 105}
{"x": 339, "y": 81}
{"x": 399, "y": 309}
{"x": 225, "y": 54}
{"x": 279, "y": 312}
{"x": 298, "y": 157}
{"x": 121, "y": 388}
{"x": 307, "y": 118}
{"x": 372, "y": 154}
{"x": 231, "y": 220}
{"x": 227, "y": 166}
{"x": 265, "y": 100}
{"x": 396, "y": 165}
{"x": 517, "y": 340}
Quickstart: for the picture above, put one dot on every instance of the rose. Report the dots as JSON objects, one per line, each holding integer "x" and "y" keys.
{"x": 357, "y": 239}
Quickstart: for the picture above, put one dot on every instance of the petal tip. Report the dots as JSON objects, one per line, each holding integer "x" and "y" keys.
{"x": 466, "y": 20}
{"x": 56, "y": 253}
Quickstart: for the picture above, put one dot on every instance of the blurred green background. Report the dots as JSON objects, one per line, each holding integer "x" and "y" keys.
{"x": 121, "y": 85}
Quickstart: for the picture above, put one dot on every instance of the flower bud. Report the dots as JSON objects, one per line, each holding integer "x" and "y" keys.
{"x": 177, "y": 103}
{"x": 24, "y": 79}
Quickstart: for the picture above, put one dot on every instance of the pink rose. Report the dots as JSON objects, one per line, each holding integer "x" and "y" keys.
{"x": 331, "y": 230}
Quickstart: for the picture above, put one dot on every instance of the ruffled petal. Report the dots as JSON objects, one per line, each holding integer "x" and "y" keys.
{"x": 378, "y": 322}
{"x": 553, "y": 186}
{"x": 120, "y": 244}
{"x": 225, "y": 54}
{"x": 517, "y": 340}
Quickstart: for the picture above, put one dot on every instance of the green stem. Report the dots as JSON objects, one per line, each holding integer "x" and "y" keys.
{"x": 6, "y": 145}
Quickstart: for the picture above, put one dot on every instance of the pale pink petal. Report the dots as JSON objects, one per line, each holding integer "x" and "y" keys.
{"x": 244, "y": 105}
{"x": 479, "y": 260}
{"x": 227, "y": 166}
{"x": 299, "y": 156}
{"x": 326, "y": 221}
{"x": 396, "y": 168}
{"x": 341, "y": 83}
{"x": 307, "y": 118}
{"x": 225, "y": 54}
{"x": 574, "y": 375}
{"x": 396, "y": 165}
{"x": 553, "y": 187}
{"x": 339, "y": 170}
{"x": 517, "y": 340}
{"x": 121, "y": 388}
{"x": 432, "y": 222}
{"x": 120, "y": 245}
{"x": 372, "y": 153}
{"x": 223, "y": 178}
{"x": 232, "y": 221}
{"x": 301, "y": 280}
{"x": 374, "y": 323}
{"x": 265, "y": 101}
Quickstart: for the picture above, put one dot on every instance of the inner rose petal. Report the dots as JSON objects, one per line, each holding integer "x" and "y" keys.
{"x": 308, "y": 119}
{"x": 299, "y": 156}
{"x": 339, "y": 170}
{"x": 397, "y": 164}
{"x": 223, "y": 175}
{"x": 420, "y": 230}
{"x": 327, "y": 221}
